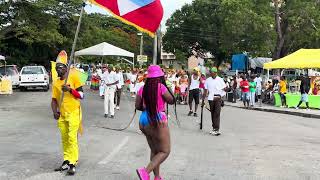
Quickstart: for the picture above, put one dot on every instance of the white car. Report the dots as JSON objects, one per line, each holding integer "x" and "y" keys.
{"x": 12, "y": 72}
{"x": 34, "y": 77}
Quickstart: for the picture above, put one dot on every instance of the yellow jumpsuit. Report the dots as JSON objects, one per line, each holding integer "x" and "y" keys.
{"x": 70, "y": 117}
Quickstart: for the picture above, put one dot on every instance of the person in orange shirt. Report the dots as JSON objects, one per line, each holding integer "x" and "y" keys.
{"x": 283, "y": 91}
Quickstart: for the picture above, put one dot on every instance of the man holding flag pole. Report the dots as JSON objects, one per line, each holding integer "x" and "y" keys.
{"x": 66, "y": 94}
{"x": 67, "y": 111}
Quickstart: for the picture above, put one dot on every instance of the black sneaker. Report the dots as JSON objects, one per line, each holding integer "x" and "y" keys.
{"x": 64, "y": 166}
{"x": 112, "y": 116}
{"x": 106, "y": 115}
{"x": 72, "y": 170}
{"x": 195, "y": 114}
{"x": 190, "y": 113}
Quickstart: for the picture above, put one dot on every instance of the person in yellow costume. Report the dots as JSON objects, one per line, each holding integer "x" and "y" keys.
{"x": 68, "y": 114}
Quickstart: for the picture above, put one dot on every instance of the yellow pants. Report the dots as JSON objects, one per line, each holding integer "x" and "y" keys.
{"x": 69, "y": 124}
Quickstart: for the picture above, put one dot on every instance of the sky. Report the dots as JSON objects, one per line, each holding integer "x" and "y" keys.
{"x": 169, "y": 6}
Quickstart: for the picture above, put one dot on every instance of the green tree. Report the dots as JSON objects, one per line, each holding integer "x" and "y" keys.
{"x": 35, "y": 31}
{"x": 297, "y": 24}
{"x": 226, "y": 27}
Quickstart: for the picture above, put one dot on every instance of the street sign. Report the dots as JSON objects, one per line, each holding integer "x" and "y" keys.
{"x": 142, "y": 58}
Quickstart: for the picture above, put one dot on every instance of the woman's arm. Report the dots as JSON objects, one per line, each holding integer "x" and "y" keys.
{"x": 168, "y": 97}
{"x": 139, "y": 104}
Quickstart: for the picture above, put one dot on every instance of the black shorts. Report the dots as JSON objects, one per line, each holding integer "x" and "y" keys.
{"x": 194, "y": 94}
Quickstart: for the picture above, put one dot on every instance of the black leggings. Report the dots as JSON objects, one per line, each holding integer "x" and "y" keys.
{"x": 194, "y": 94}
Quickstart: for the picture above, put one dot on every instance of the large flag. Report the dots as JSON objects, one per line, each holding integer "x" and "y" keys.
{"x": 145, "y": 15}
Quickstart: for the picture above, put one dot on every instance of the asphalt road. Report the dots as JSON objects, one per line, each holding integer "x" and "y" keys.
{"x": 253, "y": 145}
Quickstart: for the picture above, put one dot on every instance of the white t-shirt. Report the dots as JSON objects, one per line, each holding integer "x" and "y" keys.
{"x": 99, "y": 71}
{"x": 110, "y": 78}
{"x": 215, "y": 87}
{"x": 258, "y": 81}
{"x": 195, "y": 83}
{"x": 238, "y": 82}
{"x": 120, "y": 79}
{"x": 132, "y": 77}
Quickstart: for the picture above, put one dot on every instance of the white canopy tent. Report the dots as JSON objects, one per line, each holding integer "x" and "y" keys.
{"x": 105, "y": 49}
{"x": 258, "y": 62}
{"x": 2, "y": 58}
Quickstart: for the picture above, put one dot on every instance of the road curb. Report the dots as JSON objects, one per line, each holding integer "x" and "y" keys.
{"x": 306, "y": 115}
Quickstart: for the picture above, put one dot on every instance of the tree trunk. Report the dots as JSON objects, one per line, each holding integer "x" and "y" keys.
{"x": 279, "y": 30}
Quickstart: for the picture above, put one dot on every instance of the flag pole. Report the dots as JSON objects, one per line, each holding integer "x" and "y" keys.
{"x": 72, "y": 51}
{"x": 155, "y": 48}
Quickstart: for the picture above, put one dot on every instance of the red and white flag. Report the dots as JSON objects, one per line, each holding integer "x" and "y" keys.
{"x": 145, "y": 15}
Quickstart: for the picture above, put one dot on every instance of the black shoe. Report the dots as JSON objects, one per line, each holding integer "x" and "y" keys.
{"x": 64, "y": 166}
{"x": 195, "y": 114}
{"x": 190, "y": 113}
{"x": 112, "y": 116}
{"x": 72, "y": 170}
{"x": 106, "y": 115}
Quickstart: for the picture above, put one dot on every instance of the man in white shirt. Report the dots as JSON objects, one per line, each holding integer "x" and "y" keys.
{"x": 216, "y": 88}
{"x": 258, "y": 81}
{"x": 100, "y": 73}
{"x": 194, "y": 91}
{"x": 111, "y": 81}
{"x": 118, "y": 92}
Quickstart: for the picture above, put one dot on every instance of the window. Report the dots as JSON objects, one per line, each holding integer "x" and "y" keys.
{"x": 32, "y": 70}
{"x": 10, "y": 70}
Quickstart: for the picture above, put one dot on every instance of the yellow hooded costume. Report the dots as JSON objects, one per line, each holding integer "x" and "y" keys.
{"x": 69, "y": 122}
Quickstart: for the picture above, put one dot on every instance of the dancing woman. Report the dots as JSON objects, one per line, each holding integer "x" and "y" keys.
{"x": 153, "y": 122}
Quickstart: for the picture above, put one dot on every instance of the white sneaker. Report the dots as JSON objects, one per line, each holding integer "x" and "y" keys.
{"x": 215, "y": 133}
{"x": 117, "y": 108}
{"x": 297, "y": 107}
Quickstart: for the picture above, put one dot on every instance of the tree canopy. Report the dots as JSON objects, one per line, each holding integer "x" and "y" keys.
{"x": 35, "y": 31}
{"x": 226, "y": 27}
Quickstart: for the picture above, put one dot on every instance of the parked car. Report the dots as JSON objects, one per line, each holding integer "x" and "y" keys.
{"x": 12, "y": 72}
{"x": 34, "y": 77}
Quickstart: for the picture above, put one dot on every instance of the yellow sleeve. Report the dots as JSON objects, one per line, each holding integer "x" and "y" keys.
{"x": 76, "y": 81}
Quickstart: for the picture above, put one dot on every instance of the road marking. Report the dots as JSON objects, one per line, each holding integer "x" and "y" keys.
{"x": 115, "y": 151}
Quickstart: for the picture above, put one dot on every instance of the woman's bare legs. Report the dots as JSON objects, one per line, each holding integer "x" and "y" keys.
{"x": 159, "y": 139}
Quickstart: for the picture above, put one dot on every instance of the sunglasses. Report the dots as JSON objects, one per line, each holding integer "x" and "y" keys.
{"x": 60, "y": 67}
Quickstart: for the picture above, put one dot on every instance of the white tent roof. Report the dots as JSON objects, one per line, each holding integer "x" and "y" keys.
{"x": 104, "y": 49}
{"x": 2, "y": 58}
{"x": 258, "y": 62}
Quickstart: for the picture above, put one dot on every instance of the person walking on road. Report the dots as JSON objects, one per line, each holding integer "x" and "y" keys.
{"x": 194, "y": 92}
{"x": 304, "y": 90}
{"x": 252, "y": 92}
{"x": 68, "y": 114}
{"x": 258, "y": 81}
{"x": 151, "y": 100}
{"x": 233, "y": 86}
{"x": 117, "y": 97}
{"x": 111, "y": 81}
{"x": 216, "y": 87}
{"x": 244, "y": 85}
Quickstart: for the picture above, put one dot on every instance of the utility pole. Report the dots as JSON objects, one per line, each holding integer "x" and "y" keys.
{"x": 141, "y": 43}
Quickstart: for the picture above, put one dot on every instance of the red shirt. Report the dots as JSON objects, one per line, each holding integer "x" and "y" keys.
{"x": 244, "y": 86}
